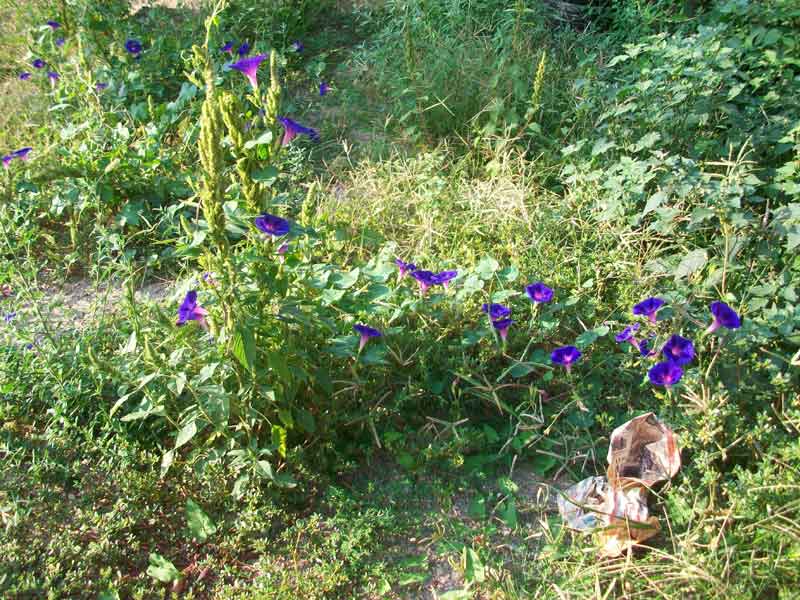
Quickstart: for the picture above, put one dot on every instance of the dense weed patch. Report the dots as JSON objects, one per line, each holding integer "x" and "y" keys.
{"x": 327, "y": 421}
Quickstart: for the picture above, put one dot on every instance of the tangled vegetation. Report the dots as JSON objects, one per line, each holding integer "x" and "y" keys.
{"x": 364, "y": 286}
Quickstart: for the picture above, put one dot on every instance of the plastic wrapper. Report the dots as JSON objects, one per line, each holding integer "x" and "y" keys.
{"x": 642, "y": 452}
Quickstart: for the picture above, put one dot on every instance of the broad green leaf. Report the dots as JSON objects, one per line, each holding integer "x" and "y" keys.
{"x": 186, "y": 433}
{"x": 691, "y": 263}
{"x": 244, "y": 347}
{"x": 486, "y": 268}
{"x": 199, "y": 523}
{"x": 267, "y": 175}
{"x": 474, "y": 570}
{"x": 162, "y": 569}
{"x": 166, "y": 462}
{"x": 509, "y": 514}
{"x": 264, "y": 138}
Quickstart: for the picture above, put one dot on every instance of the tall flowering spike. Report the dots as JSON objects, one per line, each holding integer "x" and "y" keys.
{"x": 243, "y": 50}
{"x": 54, "y": 25}
{"x": 189, "y": 310}
{"x": 425, "y": 279}
{"x": 502, "y": 326}
{"x": 565, "y": 356}
{"x": 272, "y": 225}
{"x": 249, "y": 68}
{"x": 665, "y": 373}
{"x": 724, "y": 316}
{"x": 25, "y": 76}
{"x": 679, "y": 350}
{"x": 496, "y": 311}
{"x": 38, "y": 63}
{"x": 53, "y": 76}
{"x": 324, "y": 88}
{"x": 445, "y": 277}
{"x": 133, "y": 46}
{"x": 22, "y": 153}
{"x": 648, "y": 308}
{"x": 539, "y": 292}
{"x": 404, "y": 268}
{"x": 228, "y": 47}
{"x": 366, "y": 333}
{"x": 291, "y": 129}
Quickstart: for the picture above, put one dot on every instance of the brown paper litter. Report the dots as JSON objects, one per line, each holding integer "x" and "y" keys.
{"x": 642, "y": 452}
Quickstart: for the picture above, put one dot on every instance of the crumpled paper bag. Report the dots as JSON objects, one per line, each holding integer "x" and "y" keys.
{"x": 642, "y": 452}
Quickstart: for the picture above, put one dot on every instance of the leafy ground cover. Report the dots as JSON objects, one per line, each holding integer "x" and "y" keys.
{"x": 326, "y": 421}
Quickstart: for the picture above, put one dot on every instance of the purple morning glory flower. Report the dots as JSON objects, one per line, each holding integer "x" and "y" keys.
{"x": 496, "y": 311}
{"x": 272, "y": 225}
{"x": 644, "y": 348}
{"x": 249, "y": 68}
{"x": 366, "y": 333}
{"x": 445, "y": 277}
{"x": 60, "y": 42}
{"x": 724, "y": 316}
{"x": 243, "y": 50}
{"x": 22, "y": 153}
{"x": 404, "y": 268}
{"x": 292, "y": 129}
{"x": 565, "y": 356}
{"x": 53, "y": 76}
{"x": 190, "y": 311}
{"x": 665, "y": 373}
{"x": 298, "y": 46}
{"x": 679, "y": 350}
{"x": 7, "y": 160}
{"x": 10, "y": 316}
{"x": 627, "y": 334}
{"x": 425, "y": 279}
{"x": 539, "y": 292}
{"x": 25, "y": 76}
{"x": 54, "y": 25}
{"x": 133, "y": 46}
{"x": 648, "y": 308}
{"x": 283, "y": 249}
{"x": 208, "y": 277}
{"x": 38, "y": 63}
{"x": 228, "y": 47}
{"x": 323, "y": 88}
{"x": 502, "y": 327}
{"x": 100, "y": 86}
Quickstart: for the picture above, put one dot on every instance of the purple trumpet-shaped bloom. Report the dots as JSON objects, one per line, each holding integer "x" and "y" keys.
{"x": 324, "y": 88}
{"x": 283, "y": 249}
{"x": 10, "y": 316}
{"x": 665, "y": 373}
{"x": 291, "y": 129}
{"x": 445, "y": 277}
{"x": 38, "y": 63}
{"x": 60, "y": 42}
{"x": 627, "y": 334}
{"x": 644, "y": 348}
{"x": 539, "y": 292}
{"x": 724, "y": 316}
{"x": 298, "y": 46}
{"x": 190, "y": 311}
{"x": 249, "y": 68}
{"x": 496, "y": 311}
{"x": 7, "y": 160}
{"x": 133, "y": 46}
{"x": 679, "y": 350}
{"x": 272, "y": 225}
{"x": 22, "y": 153}
{"x": 25, "y": 76}
{"x": 243, "y": 50}
{"x": 209, "y": 278}
{"x": 425, "y": 279}
{"x": 404, "y": 268}
{"x": 54, "y": 25}
{"x": 502, "y": 326}
{"x": 228, "y": 47}
{"x": 53, "y": 76}
{"x": 565, "y": 356}
{"x": 366, "y": 333}
{"x": 648, "y": 308}
{"x": 100, "y": 86}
